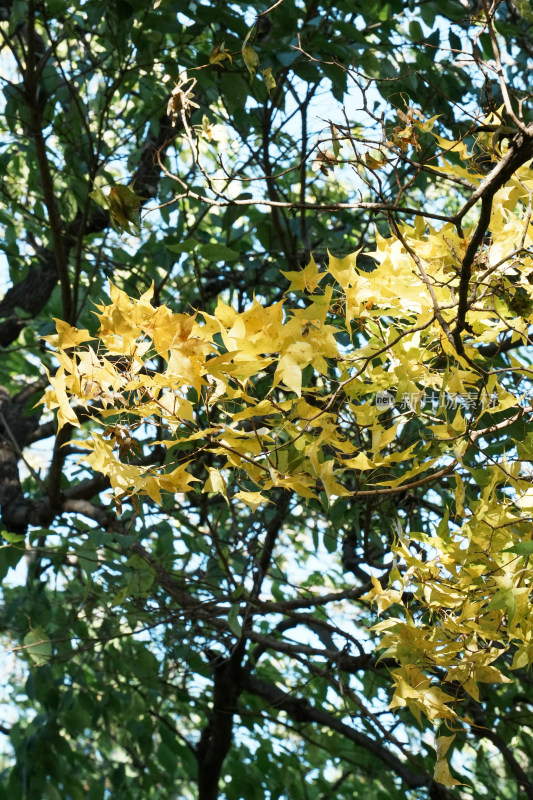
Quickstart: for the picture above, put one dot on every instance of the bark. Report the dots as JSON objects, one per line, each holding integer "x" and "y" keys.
{"x": 217, "y": 736}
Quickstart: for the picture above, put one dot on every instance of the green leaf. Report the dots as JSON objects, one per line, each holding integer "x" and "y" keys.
{"x": 186, "y": 246}
{"x": 455, "y": 41}
{"x": 13, "y": 538}
{"x": 218, "y": 252}
{"x": 416, "y": 33}
{"x": 9, "y": 558}
{"x": 330, "y": 541}
{"x": 38, "y": 646}
{"x": 524, "y": 8}
{"x": 87, "y": 557}
{"x": 522, "y": 549}
{"x": 233, "y": 621}
{"x": 142, "y": 577}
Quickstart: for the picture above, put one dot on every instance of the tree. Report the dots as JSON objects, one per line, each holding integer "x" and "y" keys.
{"x": 244, "y": 471}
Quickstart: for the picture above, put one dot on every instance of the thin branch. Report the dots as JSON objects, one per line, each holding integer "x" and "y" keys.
{"x": 499, "y": 70}
{"x": 302, "y": 711}
{"x": 520, "y": 151}
{"x": 31, "y": 89}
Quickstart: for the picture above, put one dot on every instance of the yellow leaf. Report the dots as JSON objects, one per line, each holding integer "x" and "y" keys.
{"x": 305, "y": 280}
{"x": 344, "y": 269}
{"x": 219, "y": 54}
{"x": 67, "y": 336}
{"x": 270, "y": 81}
{"x": 442, "y": 772}
{"x": 427, "y": 125}
{"x": 289, "y": 373}
{"x": 251, "y": 59}
{"x": 375, "y": 159}
{"x": 459, "y": 494}
{"x": 443, "y": 775}
{"x": 383, "y": 597}
{"x": 57, "y": 397}
{"x": 360, "y": 461}
{"x": 443, "y": 745}
{"x": 261, "y": 409}
{"x": 252, "y": 499}
{"x": 332, "y": 487}
{"x": 178, "y": 480}
{"x": 124, "y": 205}
{"x": 215, "y": 483}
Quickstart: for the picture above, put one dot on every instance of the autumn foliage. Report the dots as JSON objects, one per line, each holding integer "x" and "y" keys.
{"x": 285, "y": 395}
{"x": 266, "y": 495}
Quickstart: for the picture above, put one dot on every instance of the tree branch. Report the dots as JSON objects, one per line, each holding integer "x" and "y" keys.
{"x": 302, "y": 711}
{"x": 520, "y": 151}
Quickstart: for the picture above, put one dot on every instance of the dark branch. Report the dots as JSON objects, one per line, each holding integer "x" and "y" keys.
{"x": 300, "y": 710}
{"x": 520, "y": 151}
